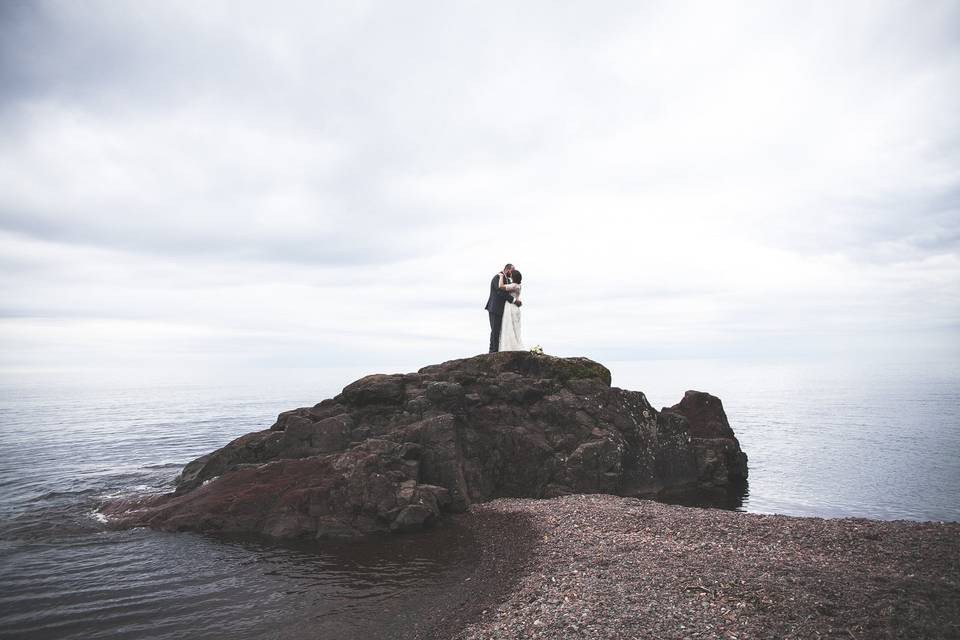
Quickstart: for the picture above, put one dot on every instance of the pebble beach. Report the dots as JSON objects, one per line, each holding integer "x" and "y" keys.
{"x": 600, "y": 566}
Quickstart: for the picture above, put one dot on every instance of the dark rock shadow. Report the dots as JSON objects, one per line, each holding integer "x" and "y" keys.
{"x": 733, "y": 497}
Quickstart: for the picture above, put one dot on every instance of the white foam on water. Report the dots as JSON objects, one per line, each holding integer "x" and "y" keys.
{"x": 99, "y": 517}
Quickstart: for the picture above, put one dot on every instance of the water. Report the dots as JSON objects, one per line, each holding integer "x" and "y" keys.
{"x": 832, "y": 439}
{"x": 68, "y": 445}
{"x": 827, "y": 439}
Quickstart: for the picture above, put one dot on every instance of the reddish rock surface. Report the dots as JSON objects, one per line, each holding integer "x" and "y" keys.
{"x": 394, "y": 452}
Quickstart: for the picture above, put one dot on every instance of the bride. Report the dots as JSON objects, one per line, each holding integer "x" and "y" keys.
{"x": 510, "y": 329}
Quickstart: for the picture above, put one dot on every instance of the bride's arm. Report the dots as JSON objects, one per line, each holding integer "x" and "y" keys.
{"x": 501, "y": 290}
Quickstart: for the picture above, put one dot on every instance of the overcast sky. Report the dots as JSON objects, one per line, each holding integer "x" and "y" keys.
{"x": 191, "y": 185}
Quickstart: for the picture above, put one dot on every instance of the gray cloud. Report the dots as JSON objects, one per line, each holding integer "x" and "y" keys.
{"x": 406, "y": 91}
{"x": 684, "y": 165}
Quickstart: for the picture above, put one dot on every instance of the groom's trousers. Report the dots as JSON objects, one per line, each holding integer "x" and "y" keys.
{"x": 496, "y": 322}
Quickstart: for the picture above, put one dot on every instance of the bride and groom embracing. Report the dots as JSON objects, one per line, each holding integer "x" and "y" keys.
{"x": 503, "y": 305}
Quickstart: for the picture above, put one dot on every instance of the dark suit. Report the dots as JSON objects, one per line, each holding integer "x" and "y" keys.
{"x": 498, "y": 298}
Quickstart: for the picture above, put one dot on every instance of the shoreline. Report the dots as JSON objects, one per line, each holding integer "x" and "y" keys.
{"x": 602, "y": 566}
{"x": 501, "y": 542}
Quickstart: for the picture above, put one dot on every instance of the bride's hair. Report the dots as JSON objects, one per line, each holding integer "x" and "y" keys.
{"x": 516, "y": 277}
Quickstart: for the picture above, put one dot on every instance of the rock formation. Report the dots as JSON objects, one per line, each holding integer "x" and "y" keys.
{"x": 394, "y": 452}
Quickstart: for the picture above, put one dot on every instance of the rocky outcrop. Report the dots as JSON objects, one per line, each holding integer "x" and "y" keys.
{"x": 716, "y": 449}
{"x": 394, "y": 452}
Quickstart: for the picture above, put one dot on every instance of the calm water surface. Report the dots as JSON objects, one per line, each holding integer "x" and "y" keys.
{"x": 842, "y": 438}
{"x": 824, "y": 439}
{"x": 68, "y": 445}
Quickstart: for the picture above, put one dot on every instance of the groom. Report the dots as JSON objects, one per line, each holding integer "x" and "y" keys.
{"x": 498, "y": 298}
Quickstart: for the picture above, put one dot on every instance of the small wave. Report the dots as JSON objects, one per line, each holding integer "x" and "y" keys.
{"x": 131, "y": 492}
{"x": 45, "y": 525}
{"x": 53, "y": 495}
{"x": 164, "y": 465}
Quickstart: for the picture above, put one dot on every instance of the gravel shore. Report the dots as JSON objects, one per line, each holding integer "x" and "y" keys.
{"x": 598, "y": 566}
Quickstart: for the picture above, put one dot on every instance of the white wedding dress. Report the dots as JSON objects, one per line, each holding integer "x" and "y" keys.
{"x": 510, "y": 329}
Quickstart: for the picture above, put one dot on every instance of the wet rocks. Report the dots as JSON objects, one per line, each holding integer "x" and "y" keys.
{"x": 394, "y": 452}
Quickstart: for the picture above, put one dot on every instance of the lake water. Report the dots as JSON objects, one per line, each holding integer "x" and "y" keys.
{"x": 843, "y": 438}
{"x": 824, "y": 439}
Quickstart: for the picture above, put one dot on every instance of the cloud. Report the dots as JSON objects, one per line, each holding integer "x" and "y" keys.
{"x": 692, "y": 177}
